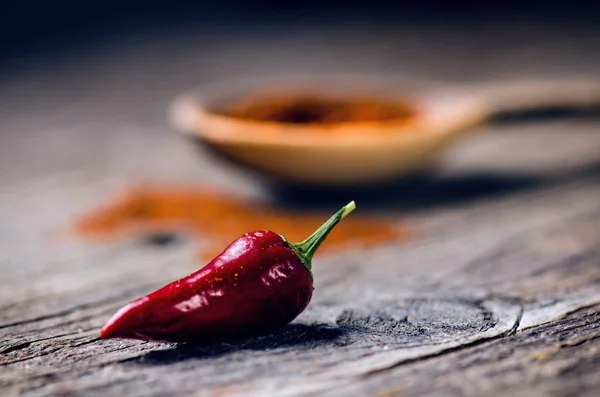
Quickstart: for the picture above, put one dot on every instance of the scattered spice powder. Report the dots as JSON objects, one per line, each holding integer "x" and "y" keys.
{"x": 216, "y": 219}
{"x": 307, "y": 108}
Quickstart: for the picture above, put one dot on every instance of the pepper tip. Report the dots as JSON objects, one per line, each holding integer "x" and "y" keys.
{"x": 107, "y": 332}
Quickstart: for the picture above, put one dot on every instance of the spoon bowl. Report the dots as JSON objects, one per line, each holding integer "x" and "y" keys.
{"x": 351, "y": 153}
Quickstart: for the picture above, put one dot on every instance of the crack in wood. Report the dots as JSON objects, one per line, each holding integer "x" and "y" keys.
{"x": 19, "y": 346}
{"x": 26, "y": 344}
{"x": 464, "y": 346}
{"x": 80, "y": 307}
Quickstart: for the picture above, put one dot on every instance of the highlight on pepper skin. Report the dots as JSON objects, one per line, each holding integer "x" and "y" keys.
{"x": 258, "y": 283}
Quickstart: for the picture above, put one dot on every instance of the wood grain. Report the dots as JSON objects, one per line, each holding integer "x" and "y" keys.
{"x": 497, "y": 292}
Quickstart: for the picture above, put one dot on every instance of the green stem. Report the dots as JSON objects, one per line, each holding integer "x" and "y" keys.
{"x": 307, "y": 248}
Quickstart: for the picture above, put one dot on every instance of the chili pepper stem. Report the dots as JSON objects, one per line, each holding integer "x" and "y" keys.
{"x": 307, "y": 248}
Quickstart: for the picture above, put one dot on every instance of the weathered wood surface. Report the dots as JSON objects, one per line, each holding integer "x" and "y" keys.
{"x": 497, "y": 292}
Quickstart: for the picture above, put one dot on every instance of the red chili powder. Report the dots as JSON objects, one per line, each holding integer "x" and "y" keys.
{"x": 312, "y": 108}
{"x": 217, "y": 219}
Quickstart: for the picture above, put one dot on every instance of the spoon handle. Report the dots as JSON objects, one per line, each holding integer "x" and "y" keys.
{"x": 506, "y": 99}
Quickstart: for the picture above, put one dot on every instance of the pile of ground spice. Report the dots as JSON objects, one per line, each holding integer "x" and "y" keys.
{"x": 217, "y": 219}
{"x": 307, "y": 108}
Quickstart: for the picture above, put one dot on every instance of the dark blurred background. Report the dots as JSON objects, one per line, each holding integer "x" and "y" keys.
{"x": 38, "y": 25}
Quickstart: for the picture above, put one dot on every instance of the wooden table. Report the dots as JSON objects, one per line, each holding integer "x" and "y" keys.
{"x": 497, "y": 292}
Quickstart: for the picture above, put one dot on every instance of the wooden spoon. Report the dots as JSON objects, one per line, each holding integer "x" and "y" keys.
{"x": 366, "y": 152}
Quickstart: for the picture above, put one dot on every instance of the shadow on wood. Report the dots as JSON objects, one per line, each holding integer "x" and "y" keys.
{"x": 293, "y": 335}
{"x": 423, "y": 191}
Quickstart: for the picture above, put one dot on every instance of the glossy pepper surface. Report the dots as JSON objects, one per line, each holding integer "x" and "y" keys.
{"x": 258, "y": 283}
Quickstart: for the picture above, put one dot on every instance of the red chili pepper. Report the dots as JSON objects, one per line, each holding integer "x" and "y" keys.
{"x": 260, "y": 282}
